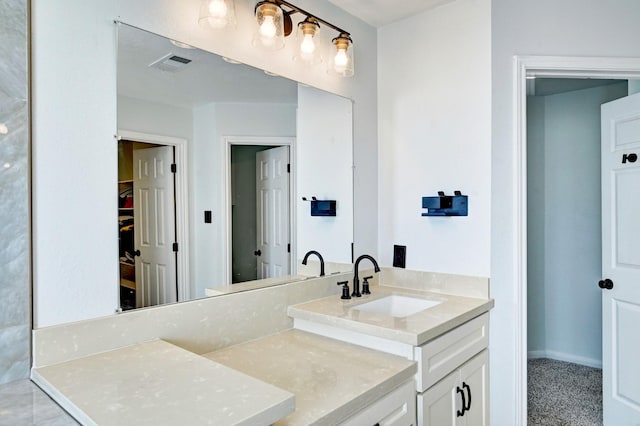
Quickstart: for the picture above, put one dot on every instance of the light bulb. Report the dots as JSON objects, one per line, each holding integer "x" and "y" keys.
{"x": 307, "y": 47}
{"x": 217, "y": 8}
{"x": 217, "y": 13}
{"x": 268, "y": 28}
{"x": 340, "y": 61}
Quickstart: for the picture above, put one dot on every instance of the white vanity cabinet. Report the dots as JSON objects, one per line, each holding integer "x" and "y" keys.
{"x": 461, "y": 398}
{"x": 457, "y": 358}
{"x": 453, "y": 376}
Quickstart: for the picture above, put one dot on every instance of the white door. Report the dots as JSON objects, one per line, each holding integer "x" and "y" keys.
{"x": 272, "y": 212}
{"x": 154, "y": 225}
{"x": 621, "y": 261}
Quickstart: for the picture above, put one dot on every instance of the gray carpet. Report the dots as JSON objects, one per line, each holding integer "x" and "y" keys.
{"x": 563, "y": 394}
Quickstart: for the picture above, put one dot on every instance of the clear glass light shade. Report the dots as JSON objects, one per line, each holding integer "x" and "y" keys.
{"x": 217, "y": 13}
{"x": 342, "y": 56}
{"x": 270, "y": 26}
{"x": 308, "y": 41}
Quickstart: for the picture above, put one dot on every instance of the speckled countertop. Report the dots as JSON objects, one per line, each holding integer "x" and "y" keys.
{"x": 157, "y": 383}
{"x": 331, "y": 380}
{"x": 414, "y": 329}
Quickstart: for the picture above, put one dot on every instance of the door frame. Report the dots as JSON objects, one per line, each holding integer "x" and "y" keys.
{"x": 228, "y": 142}
{"x": 181, "y": 206}
{"x": 525, "y": 67}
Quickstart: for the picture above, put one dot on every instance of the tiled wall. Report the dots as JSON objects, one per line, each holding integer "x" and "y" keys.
{"x": 15, "y": 297}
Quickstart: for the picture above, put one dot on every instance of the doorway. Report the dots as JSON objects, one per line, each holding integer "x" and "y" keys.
{"x": 151, "y": 220}
{"x": 260, "y": 216}
{"x": 564, "y": 250}
{"x": 526, "y": 68}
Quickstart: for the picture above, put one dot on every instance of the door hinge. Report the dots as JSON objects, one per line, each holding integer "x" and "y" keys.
{"x": 174, "y": 168}
{"x": 288, "y": 168}
{"x": 289, "y": 248}
{"x": 175, "y": 246}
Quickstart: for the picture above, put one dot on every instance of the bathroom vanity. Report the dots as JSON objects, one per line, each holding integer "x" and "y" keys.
{"x": 306, "y": 357}
{"x": 446, "y": 335}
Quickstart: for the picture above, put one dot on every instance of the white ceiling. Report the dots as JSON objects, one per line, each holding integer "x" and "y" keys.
{"x": 382, "y": 12}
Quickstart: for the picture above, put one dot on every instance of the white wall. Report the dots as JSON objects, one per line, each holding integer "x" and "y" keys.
{"x": 545, "y": 27}
{"x": 324, "y": 168}
{"x": 211, "y": 123}
{"x": 74, "y": 123}
{"x": 536, "y": 201}
{"x": 564, "y": 245}
{"x": 74, "y": 188}
{"x": 434, "y": 127}
{"x": 158, "y": 119}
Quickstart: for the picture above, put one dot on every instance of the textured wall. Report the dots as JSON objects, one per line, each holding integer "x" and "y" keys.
{"x": 15, "y": 317}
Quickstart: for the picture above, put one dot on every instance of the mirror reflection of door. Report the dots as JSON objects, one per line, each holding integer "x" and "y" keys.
{"x": 260, "y": 210}
{"x": 147, "y": 225}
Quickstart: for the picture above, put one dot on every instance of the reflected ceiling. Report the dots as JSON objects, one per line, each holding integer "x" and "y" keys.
{"x": 206, "y": 79}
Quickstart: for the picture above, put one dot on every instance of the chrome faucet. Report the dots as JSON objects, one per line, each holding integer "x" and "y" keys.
{"x": 356, "y": 280}
{"x": 306, "y": 256}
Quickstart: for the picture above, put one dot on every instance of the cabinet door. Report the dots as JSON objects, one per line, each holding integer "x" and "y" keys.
{"x": 398, "y": 408}
{"x": 439, "y": 405}
{"x": 474, "y": 376}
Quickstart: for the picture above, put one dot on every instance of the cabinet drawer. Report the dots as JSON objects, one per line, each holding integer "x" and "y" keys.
{"x": 398, "y": 408}
{"x": 440, "y": 356}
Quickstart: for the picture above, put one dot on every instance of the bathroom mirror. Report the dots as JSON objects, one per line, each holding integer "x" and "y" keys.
{"x": 247, "y": 146}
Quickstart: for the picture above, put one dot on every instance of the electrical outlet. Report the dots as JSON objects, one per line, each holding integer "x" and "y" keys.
{"x": 399, "y": 256}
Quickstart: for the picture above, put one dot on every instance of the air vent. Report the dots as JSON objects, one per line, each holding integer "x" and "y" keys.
{"x": 170, "y": 63}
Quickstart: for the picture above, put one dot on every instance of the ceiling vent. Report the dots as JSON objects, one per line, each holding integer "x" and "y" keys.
{"x": 170, "y": 63}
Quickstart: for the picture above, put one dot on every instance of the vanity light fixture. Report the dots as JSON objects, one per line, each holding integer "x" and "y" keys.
{"x": 308, "y": 41}
{"x": 217, "y": 13}
{"x": 270, "y": 29}
{"x": 273, "y": 19}
{"x": 342, "y": 63}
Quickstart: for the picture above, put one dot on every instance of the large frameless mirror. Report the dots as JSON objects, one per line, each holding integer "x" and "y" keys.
{"x": 227, "y": 175}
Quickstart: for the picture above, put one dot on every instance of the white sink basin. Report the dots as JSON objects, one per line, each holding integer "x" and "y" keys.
{"x": 397, "y": 306}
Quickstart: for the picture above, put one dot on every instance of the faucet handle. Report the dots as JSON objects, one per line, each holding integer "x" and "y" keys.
{"x": 345, "y": 289}
{"x": 365, "y": 285}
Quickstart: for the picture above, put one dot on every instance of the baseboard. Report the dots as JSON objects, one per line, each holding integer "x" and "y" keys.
{"x": 536, "y": 354}
{"x": 562, "y": 356}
